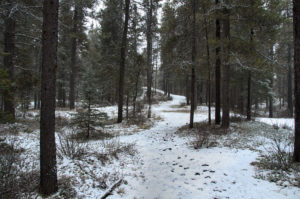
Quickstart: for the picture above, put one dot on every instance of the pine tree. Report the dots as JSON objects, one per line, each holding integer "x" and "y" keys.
{"x": 109, "y": 47}
{"x": 48, "y": 178}
{"x": 296, "y": 17}
{"x": 122, "y": 62}
{"x": 193, "y": 75}
{"x": 87, "y": 118}
{"x": 8, "y": 60}
{"x": 218, "y": 70}
{"x": 226, "y": 67}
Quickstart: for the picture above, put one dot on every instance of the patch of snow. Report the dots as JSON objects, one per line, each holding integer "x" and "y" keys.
{"x": 280, "y": 122}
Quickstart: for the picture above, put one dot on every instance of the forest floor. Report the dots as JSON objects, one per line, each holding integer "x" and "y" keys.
{"x": 164, "y": 159}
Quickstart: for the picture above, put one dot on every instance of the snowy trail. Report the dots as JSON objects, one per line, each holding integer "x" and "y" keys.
{"x": 170, "y": 169}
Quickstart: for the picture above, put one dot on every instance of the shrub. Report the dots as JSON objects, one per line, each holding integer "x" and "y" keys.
{"x": 13, "y": 181}
{"x": 70, "y": 147}
{"x": 87, "y": 119}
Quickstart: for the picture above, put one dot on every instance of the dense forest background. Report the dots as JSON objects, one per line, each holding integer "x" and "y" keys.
{"x": 86, "y": 57}
{"x": 261, "y": 53}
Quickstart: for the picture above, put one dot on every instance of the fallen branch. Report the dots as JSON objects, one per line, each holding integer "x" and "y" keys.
{"x": 112, "y": 188}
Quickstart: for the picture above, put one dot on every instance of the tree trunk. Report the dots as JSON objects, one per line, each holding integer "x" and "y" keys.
{"x": 241, "y": 97}
{"x": 149, "y": 55}
{"x": 249, "y": 103}
{"x": 89, "y": 117}
{"x": 296, "y": 18}
{"x": 193, "y": 75}
{"x": 187, "y": 93}
{"x": 226, "y": 70}
{"x": 271, "y": 99}
{"x": 122, "y": 63}
{"x": 208, "y": 66}
{"x": 249, "y": 97}
{"x": 218, "y": 72}
{"x": 271, "y": 86}
{"x": 127, "y": 106}
{"x": 136, "y": 92}
{"x": 8, "y": 62}
{"x": 48, "y": 178}
{"x": 290, "y": 79}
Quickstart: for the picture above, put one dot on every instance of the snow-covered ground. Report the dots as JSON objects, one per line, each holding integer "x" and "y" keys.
{"x": 165, "y": 166}
{"x": 171, "y": 169}
{"x": 280, "y": 122}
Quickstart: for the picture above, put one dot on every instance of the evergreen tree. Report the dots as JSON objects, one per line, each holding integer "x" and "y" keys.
{"x": 87, "y": 118}
{"x": 48, "y": 177}
{"x": 296, "y": 17}
{"x": 122, "y": 62}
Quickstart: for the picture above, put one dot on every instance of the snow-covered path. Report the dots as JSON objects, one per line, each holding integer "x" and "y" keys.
{"x": 169, "y": 168}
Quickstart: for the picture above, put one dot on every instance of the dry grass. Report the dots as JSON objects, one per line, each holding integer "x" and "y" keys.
{"x": 13, "y": 180}
{"x": 112, "y": 149}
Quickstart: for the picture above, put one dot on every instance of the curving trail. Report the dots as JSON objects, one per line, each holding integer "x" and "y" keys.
{"x": 169, "y": 168}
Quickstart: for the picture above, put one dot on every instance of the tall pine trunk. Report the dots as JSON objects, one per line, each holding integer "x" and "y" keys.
{"x": 149, "y": 54}
{"x": 249, "y": 103}
{"x": 249, "y": 95}
{"x": 193, "y": 75}
{"x": 296, "y": 18}
{"x": 271, "y": 99}
{"x": 226, "y": 70}
{"x": 8, "y": 62}
{"x": 48, "y": 170}
{"x": 218, "y": 72}
{"x": 271, "y": 86}
{"x": 289, "y": 79}
{"x": 208, "y": 66}
{"x": 122, "y": 63}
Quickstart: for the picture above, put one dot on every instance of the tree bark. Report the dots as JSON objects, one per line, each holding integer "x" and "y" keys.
{"x": 290, "y": 79}
{"x": 149, "y": 54}
{"x": 226, "y": 70}
{"x": 271, "y": 86}
{"x": 249, "y": 96}
{"x": 193, "y": 75}
{"x": 208, "y": 66}
{"x": 218, "y": 72}
{"x": 8, "y": 62}
{"x": 48, "y": 171}
{"x": 271, "y": 99}
{"x": 296, "y": 17}
{"x": 249, "y": 103}
{"x": 122, "y": 63}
